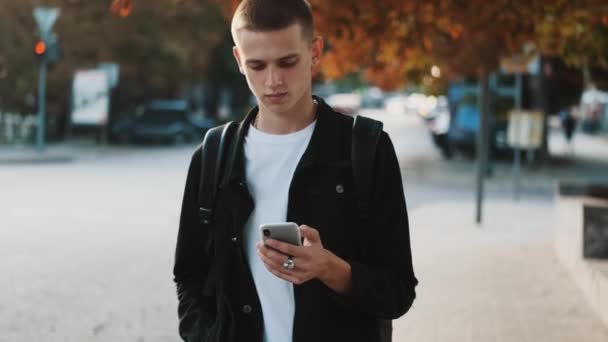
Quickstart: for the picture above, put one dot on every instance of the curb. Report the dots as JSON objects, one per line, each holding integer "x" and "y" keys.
{"x": 28, "y": 155}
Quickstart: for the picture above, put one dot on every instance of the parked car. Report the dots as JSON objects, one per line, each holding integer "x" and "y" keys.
{"x": 346, "y": 103}
{"x": 161, "y": 121}
{"x": 454, "y": 128}
{"x": 396, "y": 103}
{"x": 372, "y": 98}
{"x": 464, "y": 126}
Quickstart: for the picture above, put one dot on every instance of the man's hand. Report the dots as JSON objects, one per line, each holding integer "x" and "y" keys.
{"x": 311, "y": 261}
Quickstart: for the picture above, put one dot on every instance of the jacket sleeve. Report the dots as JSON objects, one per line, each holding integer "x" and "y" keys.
{"x": 383, "y": 281}
{"x": 191, "y": 264}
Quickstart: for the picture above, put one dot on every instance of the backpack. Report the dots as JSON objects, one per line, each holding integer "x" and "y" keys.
{"x": 365, "y": 136}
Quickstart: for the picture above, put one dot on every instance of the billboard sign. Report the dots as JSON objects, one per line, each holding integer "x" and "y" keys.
{"x": 90, "y": 97}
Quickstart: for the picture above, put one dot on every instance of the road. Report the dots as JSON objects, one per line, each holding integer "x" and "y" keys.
{"x": 86, "y": 248}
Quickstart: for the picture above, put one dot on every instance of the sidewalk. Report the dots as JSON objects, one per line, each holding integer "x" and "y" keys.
{"x": 76, "y": 150}
{"x": 55, "y": 153}
{"x": 498, "y": 282}
{"x": 589, "y": 162}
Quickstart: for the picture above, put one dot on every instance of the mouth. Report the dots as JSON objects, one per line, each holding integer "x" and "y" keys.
{"x": 276, "y": 96}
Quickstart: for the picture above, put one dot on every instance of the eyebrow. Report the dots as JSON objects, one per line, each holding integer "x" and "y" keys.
{"x": 290, "y": 56}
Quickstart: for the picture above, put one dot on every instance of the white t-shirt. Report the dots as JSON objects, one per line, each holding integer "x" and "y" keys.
{"x": 270, "y": 164}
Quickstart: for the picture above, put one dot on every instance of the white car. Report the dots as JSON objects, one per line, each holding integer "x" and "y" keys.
{"x": 346, "y": 103}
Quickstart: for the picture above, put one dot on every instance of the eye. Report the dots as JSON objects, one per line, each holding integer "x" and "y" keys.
{"x": 257, "y": 67}
{"x": 288, "y": 63}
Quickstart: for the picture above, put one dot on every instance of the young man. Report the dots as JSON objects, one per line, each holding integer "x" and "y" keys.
{"x": 291, "y": 162}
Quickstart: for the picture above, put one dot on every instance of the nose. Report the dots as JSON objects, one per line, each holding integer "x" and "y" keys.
{"x": 274, "y": 78}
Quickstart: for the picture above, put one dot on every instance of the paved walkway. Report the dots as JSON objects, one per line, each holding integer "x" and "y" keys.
{"x": 65, "y": 152}
{"x": 30, "y": 155}
{"x": 496, "y": 282}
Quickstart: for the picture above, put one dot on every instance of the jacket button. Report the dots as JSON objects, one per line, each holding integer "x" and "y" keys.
{"x": 234, "y": 239}
{"x": 247, "y": 309}
{"x": 339, "y": 188}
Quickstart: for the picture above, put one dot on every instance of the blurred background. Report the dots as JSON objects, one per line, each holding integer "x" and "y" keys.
{"x": 497, "y": 110}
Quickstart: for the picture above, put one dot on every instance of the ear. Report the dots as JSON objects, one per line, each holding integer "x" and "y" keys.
{"x": 237, "y": 57}
{"x": 317, "y": 51}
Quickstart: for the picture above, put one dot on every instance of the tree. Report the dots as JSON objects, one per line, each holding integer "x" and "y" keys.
{"x": 396, "y": 41}
{"x": 159, "y": 46}
{"x": 577, "y": 31}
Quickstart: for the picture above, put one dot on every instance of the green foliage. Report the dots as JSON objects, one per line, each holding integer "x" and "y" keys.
{"x": 577, "y": 31}
{"x": 160, "y": 46}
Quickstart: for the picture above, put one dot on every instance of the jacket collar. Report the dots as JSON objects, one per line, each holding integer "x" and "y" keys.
{"x": 323, "y": 147}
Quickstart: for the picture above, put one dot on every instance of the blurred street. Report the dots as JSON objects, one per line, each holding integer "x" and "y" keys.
{"x": 102, "y": 104}
{"x": 87, "y": 243}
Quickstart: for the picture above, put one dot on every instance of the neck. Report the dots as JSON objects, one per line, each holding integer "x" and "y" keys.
{"x": 304, "y": 114}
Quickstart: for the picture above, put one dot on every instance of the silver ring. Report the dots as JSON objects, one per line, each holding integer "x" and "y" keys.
{"x": 289, "y": 264}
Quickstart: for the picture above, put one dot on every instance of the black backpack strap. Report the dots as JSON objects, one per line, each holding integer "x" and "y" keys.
{"x": 213, "y": 155}
{"x": 214, "y": 149}
{"x": 365, "y": 136}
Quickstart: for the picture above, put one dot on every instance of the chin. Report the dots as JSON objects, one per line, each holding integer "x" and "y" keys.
{"x": 282, "y": 107}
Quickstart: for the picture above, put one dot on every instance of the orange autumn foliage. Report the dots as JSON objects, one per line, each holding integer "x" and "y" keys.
{"x": 392, "y": 39}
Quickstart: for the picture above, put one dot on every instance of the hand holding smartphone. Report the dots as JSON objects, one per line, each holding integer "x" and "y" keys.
{"x": 287, "y": 232}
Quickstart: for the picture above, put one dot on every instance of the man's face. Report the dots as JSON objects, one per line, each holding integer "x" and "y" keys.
{"x": 278, "y": 66}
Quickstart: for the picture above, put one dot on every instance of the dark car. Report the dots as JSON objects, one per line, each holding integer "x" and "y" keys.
{"x": 455, "y": 128}
{"x": 161, "y": 121}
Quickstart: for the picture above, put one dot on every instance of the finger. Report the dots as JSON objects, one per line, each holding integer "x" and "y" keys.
{"x": 270, "y": 262}
{"x": 285, "y": 248}
{"x": 285, "y": 276}
{"x": 273, "y": 254}
{"x": 297, "y": 275}
{"x": 310, "y": 234}
{"x": 277, "y": 260}
{"x": 278, "y": 270}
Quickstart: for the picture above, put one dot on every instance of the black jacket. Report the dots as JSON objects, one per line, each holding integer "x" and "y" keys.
{"x": 383, "y": 281}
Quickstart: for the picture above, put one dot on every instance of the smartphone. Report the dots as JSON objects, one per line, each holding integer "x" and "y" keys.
{"x": 286, "y": 232}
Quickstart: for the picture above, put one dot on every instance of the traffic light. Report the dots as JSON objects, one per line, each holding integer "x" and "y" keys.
{"x": 47, "y": 51}
{"x": 40, "y": 48}
{"x": 122, "y": 8}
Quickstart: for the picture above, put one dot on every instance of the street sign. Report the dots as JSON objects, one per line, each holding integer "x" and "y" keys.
{"x": 525, "y": 129}
{"x": 46, "y": 18}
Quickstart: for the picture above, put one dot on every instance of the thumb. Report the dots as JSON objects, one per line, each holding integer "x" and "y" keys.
{"x": 310, "y": 234}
